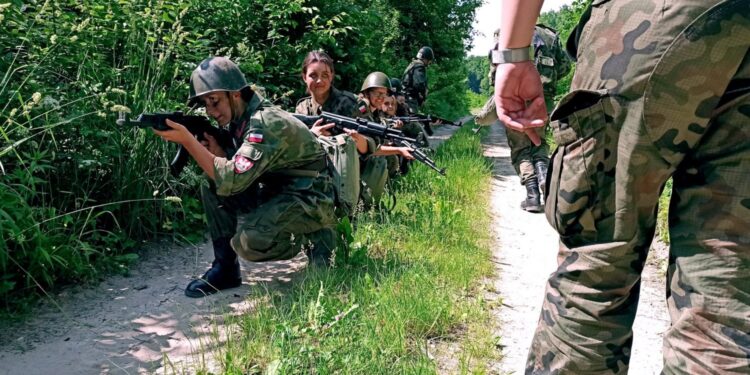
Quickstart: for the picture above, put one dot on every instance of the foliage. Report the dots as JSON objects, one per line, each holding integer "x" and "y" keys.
{"x": 78, "y": 192}
{"x": 408, "y": 281}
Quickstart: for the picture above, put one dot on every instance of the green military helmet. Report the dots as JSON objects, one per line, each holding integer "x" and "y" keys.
{"x": 215, "y": 74}
{"x": 396, "y": 86}
{"x": 376, "y": 79}
{"x": 425, "y": 53}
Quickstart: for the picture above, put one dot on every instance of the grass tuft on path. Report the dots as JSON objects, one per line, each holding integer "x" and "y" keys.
{"x": 411, "y": 282}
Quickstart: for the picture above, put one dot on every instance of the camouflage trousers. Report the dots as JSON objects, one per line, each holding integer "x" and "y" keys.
{"x": 523, "y": 153}
{"x": 661, "y": 90}
{"x": 374, "y": 177}
{"x": 273, "y": 229}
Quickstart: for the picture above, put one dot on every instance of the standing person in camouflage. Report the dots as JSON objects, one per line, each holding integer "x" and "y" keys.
{"x": 415, "y": 79}
{"x": 269, "y": 146}
{"x": 659, "y": 92}
{"x": 530, "y": 160}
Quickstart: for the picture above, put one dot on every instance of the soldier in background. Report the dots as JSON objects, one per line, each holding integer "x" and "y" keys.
{"x": 414, "y": 80}
{"x": 529, "y": 160}
{"x": 375, "y": 88}
{"x": 659, "y": 92}
{"x": 269, "y": 147}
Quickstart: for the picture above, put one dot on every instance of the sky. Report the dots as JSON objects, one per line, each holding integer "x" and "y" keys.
{"x": 488, "y": 19}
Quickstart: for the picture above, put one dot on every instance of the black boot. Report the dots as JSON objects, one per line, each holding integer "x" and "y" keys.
{"x": 540, "y": 166}
{"x": 223, "y": 274}
{"x": 322, "y": 244}
{"x": 531, "y": 204}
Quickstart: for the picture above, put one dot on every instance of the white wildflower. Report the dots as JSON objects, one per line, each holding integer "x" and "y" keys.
{"x": 3, "y": 7}
{"x": 120, "y": 108}
{"x": 74, "y": 38}
{"x": 53, "y": 39}
{"x": 36, "y": 97}
{"x": 173, "y": 199}
{"x": 118, "y": 91}
{"x": 156, "y": 192}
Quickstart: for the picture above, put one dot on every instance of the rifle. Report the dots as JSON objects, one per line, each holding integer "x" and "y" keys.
{"x": 371, "y": 129}
{"x": 433, "y": 118}
{"x": 420, "y": 156}
{"x": 407, "y": 119}
{"x": 362, "y": 126}
{"x": 197, "y": 125}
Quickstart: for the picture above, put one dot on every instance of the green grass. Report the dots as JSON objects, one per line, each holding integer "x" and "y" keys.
{"x": 411, "y": 277}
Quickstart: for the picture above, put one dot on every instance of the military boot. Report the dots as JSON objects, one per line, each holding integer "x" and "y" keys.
{"x": 531, "y": 203}
{"x": 320, "y": 251}
{"x": 223, "y": 274}
{"x": 540, "y": 166}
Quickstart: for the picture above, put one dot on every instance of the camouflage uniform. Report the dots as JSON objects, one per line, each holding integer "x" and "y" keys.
{"x": 415, "y": 84}
{"x": 338, "y": 102}
{"x": 661, "y": 90}
{"x": 374, "y": 168}
{"x": 552, "y": 63}
{"x": 295, "y": 197}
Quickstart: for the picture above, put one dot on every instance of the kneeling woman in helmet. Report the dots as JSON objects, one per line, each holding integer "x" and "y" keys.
{"x": 273, "y": 178}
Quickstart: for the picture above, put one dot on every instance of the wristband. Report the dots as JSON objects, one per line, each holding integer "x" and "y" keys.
{"x": 511, "y": 55}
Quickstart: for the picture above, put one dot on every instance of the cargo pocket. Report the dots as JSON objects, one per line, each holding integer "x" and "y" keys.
{"x": 581, "y": 178}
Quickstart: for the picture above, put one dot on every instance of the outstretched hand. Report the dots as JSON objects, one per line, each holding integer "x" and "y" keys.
{"x": 519, "y": 98}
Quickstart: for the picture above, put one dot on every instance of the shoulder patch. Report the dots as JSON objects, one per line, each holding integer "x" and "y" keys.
{"x": 363, "y": 108}
{"x": 242, "y": 164}
{"x": 255, "y": 137}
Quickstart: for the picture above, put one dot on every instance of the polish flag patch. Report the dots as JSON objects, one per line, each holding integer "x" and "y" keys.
{"x": 363, "y": 109}
{"x": 242, "y": 164}
{"x": 255, "y": 137}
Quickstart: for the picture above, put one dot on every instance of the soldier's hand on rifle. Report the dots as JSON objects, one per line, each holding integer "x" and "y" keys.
{"x": 517, "y": 84}
{"x": 405, "y": 152}
{"x": 178, "y": 134}
{"x": 319, "y": 129}
{"x": 213, "y": 146}
{"x": 359, "y": 139}
{"x": 398, "y": 124}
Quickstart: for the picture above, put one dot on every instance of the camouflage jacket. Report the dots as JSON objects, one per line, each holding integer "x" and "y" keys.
{"x": 338, "y": 102}
{"x": 271, "y": 143}
{"x": 415, "y": 81}
{"x": 363, "y": 110}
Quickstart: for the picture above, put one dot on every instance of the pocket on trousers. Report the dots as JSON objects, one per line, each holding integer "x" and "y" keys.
{"x": 581, "y": 177}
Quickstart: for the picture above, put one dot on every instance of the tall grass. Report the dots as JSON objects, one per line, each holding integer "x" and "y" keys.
{"x": 410, "y": 281}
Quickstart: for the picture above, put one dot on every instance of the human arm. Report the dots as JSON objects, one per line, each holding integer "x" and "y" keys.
{"x": 394, "y": 150}
{"x": 201, "y": 154}
{"x": 517, "y": 84}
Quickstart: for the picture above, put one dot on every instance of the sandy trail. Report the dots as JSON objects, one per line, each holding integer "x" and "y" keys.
{"x": 525, "y": 254}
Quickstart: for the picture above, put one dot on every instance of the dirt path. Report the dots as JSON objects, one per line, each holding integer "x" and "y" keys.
{"x": 126, "y": 325}
{"x": 525, "y": 254}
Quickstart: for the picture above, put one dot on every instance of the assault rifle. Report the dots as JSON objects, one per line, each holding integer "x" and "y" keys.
{"x": 360, "y": 125}
{"x": 197, "y": 125}
{"x": 420, "y": 155}
{"x": 434, "y": 118}
{"x": 371, "y": 129}
{"x": 427, "y": 121}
